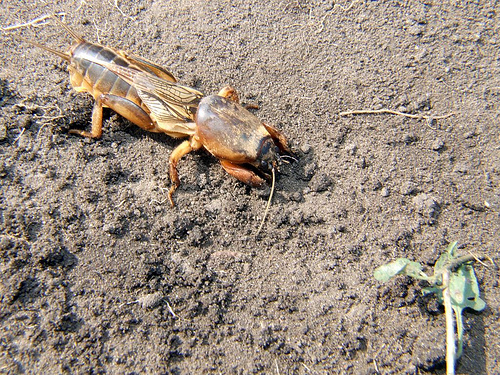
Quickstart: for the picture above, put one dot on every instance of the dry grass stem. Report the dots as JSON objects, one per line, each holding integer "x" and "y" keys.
{"x": 36, "y": 22}
{"x": 392, "y": 112}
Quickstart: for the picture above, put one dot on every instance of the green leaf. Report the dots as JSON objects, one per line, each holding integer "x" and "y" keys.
{"x": 401, "y": 266}
{"x": 451, "y": 249}
{"x": 464, "y": 290}
{"x": 433, "y": 290}
{"x": 463, "y": 286}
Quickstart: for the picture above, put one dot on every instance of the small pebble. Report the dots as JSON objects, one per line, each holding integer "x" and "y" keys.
{"x": 426, "y": 205}
{"x": 309, "y": 171}
{"x": 340, "y": 228}
{"x": 150, "y": 301}
{"x": 50, "y": 174}
{"x": 461, "y": 168}
{"x": 24, "y": 121}
{"x": 195, "y": 236}
{"x": 469, "y": 134}
{"x": 421, "y": 55}
{"x": 351, "y": 148}
{"x": 3, "y": 132}
{"x": 109, "y": 228}
{"x": 305, "y": 148}
{"x": 320, "y": 183}
{"x": 493, "y": 202}
{"x": 415, "y": 30}
{"x": 377, "y": 186}
{"x": 5, "y": 243}
{"x": 410, "y": 138}
{"x": 362, "y": 163}
{"x": 438, "y": 144}
{"x": 408, "y": 188}
{"x": 384, "y": 192}
{"x": 423, "y": 102}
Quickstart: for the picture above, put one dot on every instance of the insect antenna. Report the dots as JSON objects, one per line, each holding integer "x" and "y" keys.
{"x": 77, "y": 37}
{"x": 268, "y": 203}
{"x": 62, "y": 55}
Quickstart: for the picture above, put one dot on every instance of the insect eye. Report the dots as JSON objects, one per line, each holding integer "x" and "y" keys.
{"x": 264, "y": 164}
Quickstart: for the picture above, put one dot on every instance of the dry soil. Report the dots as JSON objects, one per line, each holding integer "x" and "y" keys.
{"x": 100, "y": 275}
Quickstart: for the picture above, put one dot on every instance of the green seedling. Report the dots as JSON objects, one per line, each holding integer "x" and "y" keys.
{"x": 455, "y": 286}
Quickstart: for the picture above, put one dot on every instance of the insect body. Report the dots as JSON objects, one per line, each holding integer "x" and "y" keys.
{"x": 149, "y": 96}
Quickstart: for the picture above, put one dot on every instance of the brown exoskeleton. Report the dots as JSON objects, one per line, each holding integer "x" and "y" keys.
{"x": 148, "y": 95}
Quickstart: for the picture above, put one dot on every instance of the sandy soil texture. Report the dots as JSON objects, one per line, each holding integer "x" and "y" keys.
{"x": 100, "y": 275}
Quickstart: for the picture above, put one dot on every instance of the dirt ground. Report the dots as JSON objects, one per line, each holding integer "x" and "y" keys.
{"x": 100, "y": 275}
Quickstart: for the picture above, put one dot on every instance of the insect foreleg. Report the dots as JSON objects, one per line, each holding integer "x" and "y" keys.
{"x": 243, "y": 174}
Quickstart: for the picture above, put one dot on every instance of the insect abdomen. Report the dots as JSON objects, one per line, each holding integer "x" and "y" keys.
{"x": 89, "y": 76}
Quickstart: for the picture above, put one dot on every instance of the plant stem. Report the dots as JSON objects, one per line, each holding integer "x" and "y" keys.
{"x": 450, "y": 326}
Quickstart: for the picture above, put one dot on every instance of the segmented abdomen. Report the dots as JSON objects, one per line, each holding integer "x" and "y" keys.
{"x": 89, "y": 76}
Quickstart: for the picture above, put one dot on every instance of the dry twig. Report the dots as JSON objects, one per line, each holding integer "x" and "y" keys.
{"x": 345, "y": 8}
{"x": 427, "y": 118}
{"x": 392, "y": 112}
{"x": 36, "y": 22}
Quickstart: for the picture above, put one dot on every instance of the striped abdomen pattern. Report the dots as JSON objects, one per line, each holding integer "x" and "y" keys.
{"x": 87, "y": 75}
